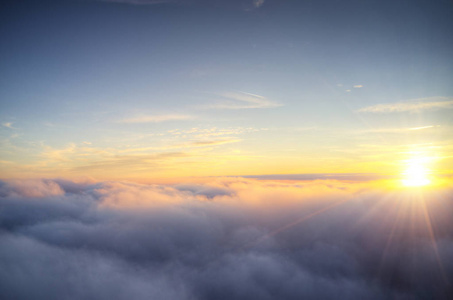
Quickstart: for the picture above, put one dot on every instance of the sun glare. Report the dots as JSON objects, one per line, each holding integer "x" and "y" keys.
{"x": 416, "y": 173}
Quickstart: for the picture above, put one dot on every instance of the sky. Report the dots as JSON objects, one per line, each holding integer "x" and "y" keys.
{"x": 226, "y": 149}
{"x": 150, "y": 91}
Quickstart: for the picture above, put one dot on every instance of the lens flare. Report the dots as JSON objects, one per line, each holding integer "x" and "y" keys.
{"x": 416, "y": 173}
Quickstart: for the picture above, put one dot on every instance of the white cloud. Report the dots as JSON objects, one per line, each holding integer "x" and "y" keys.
{"x": 139, "y": 2}
{"x": 358, "y": 86}
{"x": 8, "y": 125}
{"x": 258, "y": 3}
{"x": 213, "y": 143}
{"x": 397, "y": 130}
{"x": 410, "y": 106}
{"x": 157, "y": 118}
{"x": 228, "y": 238}
{"x": 423, "y": 127}
{"x": 241, "y": 100}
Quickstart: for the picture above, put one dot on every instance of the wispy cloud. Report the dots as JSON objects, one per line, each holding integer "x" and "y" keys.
{"x": 140, "y": 2}
{"x": 246, "y": 5}
{"x": 214, "y": 143}
{"x": 9, "y": 125}
{"x": 79, "y": 159}
{"x": 205, "y": 133}
{"x": 258, "y": 3}
{"x": 121, "y": 163}
{"x": 423, "y": 127}
{"x": 410, "y": 106}
{"x": 241, "y": 100}
{"x": 358, "y": 86}
{"x": 191, "y": 144}
{"x": 157, "y": 118}
{"x": 397, "y": 130}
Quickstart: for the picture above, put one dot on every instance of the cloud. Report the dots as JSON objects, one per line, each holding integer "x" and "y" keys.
{"x": 241, "y": 100}
{"x": 423, "y": 127}
{"x": 317, "y": 176}
{"x": 240, "y": 4}
{"x": 78, "y": 160}
{"x": 136, "y": 163}
{"x": 209, "y": 132}
{"x": 258, "y": 3}
{"x": 157, "y": 118}
{"x": 229, "y": 238}
{"x": 8, "y": 125}
{"x": 192, "y": 144}
{"x": 30, "y": 188}
{"x": 214, "y": 142}
{"x": 136, "y": 155}
{"x": 140, "y": 2}
{"x": 396, "y": 130}
{"x": 416, "y": 105}
{"x": 358, "y": 86}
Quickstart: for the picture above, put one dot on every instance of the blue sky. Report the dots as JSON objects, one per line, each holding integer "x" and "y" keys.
{"x": 291, "y": 82}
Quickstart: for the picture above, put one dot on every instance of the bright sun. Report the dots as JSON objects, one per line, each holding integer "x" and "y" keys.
{"x": 416, "y": 173}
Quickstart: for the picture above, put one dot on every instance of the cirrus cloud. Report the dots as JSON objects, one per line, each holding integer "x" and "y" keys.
{"x": 157, "y": 118}
{"x": 410, "y": 106}
{"x": 240, "y": 100}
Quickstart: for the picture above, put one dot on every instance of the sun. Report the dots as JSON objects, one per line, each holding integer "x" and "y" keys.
{"x": 416, "y": 173}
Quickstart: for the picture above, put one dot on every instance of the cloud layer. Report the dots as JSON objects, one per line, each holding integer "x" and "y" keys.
{"x": 232, "y": 238}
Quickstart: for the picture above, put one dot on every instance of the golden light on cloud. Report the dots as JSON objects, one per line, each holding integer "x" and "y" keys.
{"x": 417, "y": 173}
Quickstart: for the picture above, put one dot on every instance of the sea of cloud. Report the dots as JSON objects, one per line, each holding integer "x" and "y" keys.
{"x": 229, "y": 238}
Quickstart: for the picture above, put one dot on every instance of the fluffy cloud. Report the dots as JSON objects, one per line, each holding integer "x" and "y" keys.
{"x": 232, "y": 238}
